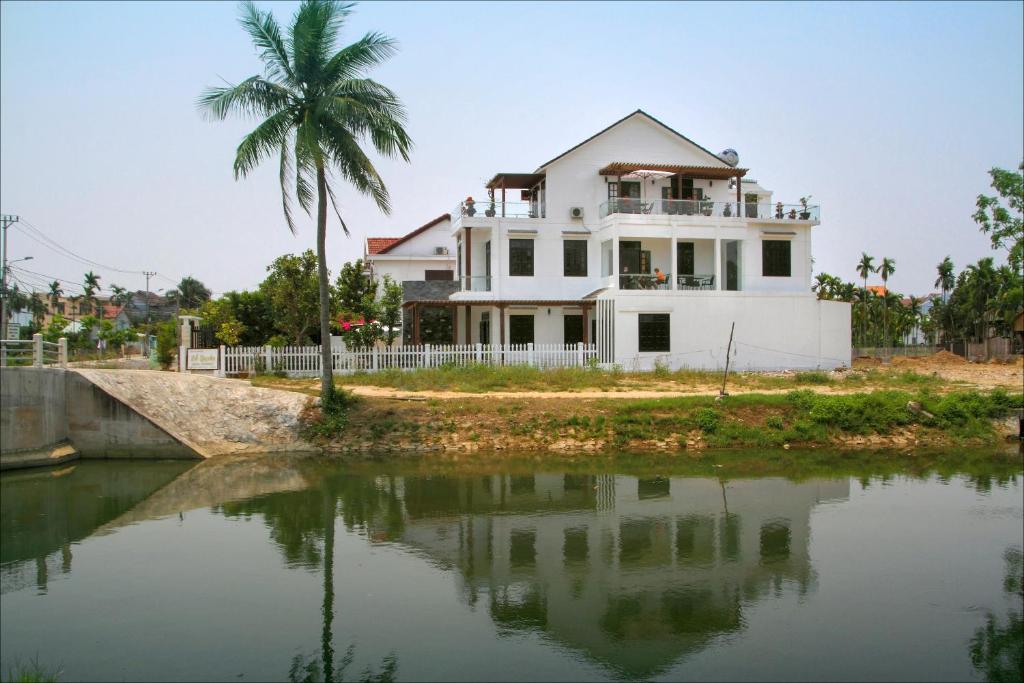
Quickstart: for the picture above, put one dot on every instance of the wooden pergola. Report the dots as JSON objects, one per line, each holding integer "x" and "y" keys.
{"x": 512, "y": 181}
{"x": 621, "y": 168}
{"x": 502, "y": 305}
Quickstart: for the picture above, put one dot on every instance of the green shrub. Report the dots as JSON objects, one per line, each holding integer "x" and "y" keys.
{"x": 774, "y": 422}
{"x": 812, "y": 377}
{"x": 707, "y": 419}
{"x": 166, "y": 343}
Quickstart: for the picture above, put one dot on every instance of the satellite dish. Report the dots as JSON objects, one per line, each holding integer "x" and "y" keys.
{"x": 730, "y": 157}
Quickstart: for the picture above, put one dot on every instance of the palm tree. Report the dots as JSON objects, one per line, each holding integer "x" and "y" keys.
{"x": 91, "y": 283}
{"x": 190, "y": 293}
{"x": 55, "y": 293}
{"x": 318, "y": 108}
{"x": 120, "y": 296}
{"x": 914, "y": 309}
{"x": 865, "y": 267}
{"x": 886, "y": 268}
{"x": 74, "y": 299}
{"x": 946, "y": 279}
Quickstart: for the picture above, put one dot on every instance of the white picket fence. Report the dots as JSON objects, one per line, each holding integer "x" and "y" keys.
{"x": 301, "y": 361}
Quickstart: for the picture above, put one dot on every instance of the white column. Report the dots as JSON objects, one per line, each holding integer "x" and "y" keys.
{"x": 62, "y": 351}
{"x": 37, "y": 350}
{"x": 718, "y": 263}
{"x": 615, "y": 261}
{"x": 675, "y": 263}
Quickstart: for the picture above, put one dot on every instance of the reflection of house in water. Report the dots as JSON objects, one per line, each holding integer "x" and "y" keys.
{"x": 633, "y": 572}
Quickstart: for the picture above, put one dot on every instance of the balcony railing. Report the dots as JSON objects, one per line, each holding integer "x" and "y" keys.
{"x": 476, "y": 283}
{"x": 645, "y": 281}
{"x": 498, "y": 209}
{"x": 704, "y": 207}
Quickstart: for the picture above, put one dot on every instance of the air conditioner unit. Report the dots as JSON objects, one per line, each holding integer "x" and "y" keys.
{"x": 440, "y": 251}
{"x": 576, "y": 212}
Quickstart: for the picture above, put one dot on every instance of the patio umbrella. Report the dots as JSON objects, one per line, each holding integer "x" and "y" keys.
{"x": 643, "y": 174}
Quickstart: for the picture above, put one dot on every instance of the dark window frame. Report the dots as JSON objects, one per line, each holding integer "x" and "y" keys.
{"x": 654, "y": 332}
{"x": 574, "y": 264}
{"x": 514, "y": 321}
{"x": 518, "y": 262}
{"x": 776, "y": 261}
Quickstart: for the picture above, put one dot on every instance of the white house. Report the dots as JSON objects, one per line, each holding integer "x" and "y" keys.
{"x": 641, "y": 241}
{"x": 426, "y": 253}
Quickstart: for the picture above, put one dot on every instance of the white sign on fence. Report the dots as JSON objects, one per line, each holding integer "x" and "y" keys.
{"x": 203, "y": 359}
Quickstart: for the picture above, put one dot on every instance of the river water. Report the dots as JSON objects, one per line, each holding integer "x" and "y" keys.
{"x": 294, "y": 568}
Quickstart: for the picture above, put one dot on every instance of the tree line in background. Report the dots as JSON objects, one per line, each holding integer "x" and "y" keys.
{"x": 980, "y": 301}
{"x": 285, "y": 308}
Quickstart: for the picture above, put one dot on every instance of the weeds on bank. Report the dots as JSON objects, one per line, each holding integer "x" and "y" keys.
{"x": 332, "y": 417}
{"x": 32, "y": 672}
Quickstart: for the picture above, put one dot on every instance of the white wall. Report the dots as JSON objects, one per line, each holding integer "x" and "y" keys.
{"x": 423, "y": 244}
{"x": 773, "y": 331}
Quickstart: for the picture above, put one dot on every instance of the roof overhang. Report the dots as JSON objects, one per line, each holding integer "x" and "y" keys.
{"x": 620, "y": 168}
{"x": 495, "y": 302}
{"x": 516, "y": 181}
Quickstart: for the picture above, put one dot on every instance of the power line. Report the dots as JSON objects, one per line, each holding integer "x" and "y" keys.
{"x": 34, "y": 233}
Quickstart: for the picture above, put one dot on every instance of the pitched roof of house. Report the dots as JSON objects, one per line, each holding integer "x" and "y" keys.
{"x": 375, "y": 245}
{"x": 878, "y": 290}
{"x": 624, "y": 118}
{"x": 414, "y": 233}
{"x": 110, "y": 311}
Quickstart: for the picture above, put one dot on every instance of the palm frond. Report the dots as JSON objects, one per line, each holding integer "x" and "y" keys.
{"x": 253, "y": 97}
{"x": 314, "y": 33}
{"x": 284, "y": 176}
{"x": 351, "y": 61}
{"x": 262, "y": 142}
{"x": 352, "y": 163}
{"x": 334, "y": 204}
{"x": 306, "y": 154}
{"x": 266, "y": 35}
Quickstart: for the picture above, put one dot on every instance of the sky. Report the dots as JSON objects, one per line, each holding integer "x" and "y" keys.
{"x": 890, "y": 115}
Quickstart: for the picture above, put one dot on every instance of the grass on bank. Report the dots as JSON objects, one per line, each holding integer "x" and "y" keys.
{"x": 510, "y": 378}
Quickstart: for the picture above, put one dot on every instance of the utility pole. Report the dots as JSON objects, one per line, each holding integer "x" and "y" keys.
{"x": 148, "y": 274}
{"x": 6, "y": 220}
{"x": 728, "y": 352}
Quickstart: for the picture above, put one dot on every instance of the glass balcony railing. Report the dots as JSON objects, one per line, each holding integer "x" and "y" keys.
{"x": 476, "y": 283}
{"x": 705, "y": 207}
{"x": 498, "y": 209}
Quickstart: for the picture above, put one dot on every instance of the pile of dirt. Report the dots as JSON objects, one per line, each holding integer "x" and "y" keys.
{"x": 945, "y": 358}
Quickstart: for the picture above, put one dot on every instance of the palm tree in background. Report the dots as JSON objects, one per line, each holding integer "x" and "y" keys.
{"x": 120, "y": 296}
{"x": 886, "y": 268}
{"x": 91, "y": 284}
{"x": 865, "y": 267}
{"x": 946, "y": 280}
{"x": 190, "y": 293}
{"x": 317, "y": 109}
{"x": 56, "y": 291}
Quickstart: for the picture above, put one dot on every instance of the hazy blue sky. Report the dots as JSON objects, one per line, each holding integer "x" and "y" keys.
{"x": 888, "y": 114}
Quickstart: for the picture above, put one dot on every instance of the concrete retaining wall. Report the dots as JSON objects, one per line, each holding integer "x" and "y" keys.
{"x": 32, "y": 408}
{"x": 42, "y": 409}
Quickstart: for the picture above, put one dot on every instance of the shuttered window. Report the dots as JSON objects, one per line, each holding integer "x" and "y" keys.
{"x": 775, "y": 258}
{"x": 575, "y": 258}
{"x": 520, "y": 257}
{"x": 654, "y": 332}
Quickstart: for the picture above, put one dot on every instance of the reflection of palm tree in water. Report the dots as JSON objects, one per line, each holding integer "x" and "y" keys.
{"x": 998, "y": 650}
{"x": 312, "y": 670}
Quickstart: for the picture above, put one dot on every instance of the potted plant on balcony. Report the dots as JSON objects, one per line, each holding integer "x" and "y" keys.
{"x": 805, "y": 215}
{"x": 791, "y": 215}
{"x": 778, "y": 211}
{"x": 491, "y": 212}
{"x": 468, "y": 207}
{"x": 727, "y": 210}
{"x": 707, "y": 207}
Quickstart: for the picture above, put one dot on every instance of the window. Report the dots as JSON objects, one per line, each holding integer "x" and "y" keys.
{"x": 520, "y": 257}
{"x": 575, "y": 258}
{"x": 438, "y": 275}
{"x": 654, "y": 332}
{"x": 775, "y": 258}
{"x": 520, "y": 329}
{"x": 572, "y": 329}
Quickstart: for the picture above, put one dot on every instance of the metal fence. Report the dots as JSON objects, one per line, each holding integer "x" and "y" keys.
{"x": 299, "y": 361}
{"x": 882, "y": 352}
{"x": 33, "y": 352}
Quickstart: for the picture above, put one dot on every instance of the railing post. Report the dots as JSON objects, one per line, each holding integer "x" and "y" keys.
{"x": 37, "y": 350}
{"x": 426, "y": 355}
{"x": 376, "y": 359}
{"x": 479, "y": 353}
{"x": 530, "y": 356}
{"x": 222, "y": 363}
{"x": 62, "y": 351}
{"x": 579, "y": 354}
{"x": 268, "y": 358}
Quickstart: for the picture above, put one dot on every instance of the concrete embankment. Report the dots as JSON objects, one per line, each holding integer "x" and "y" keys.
{"x": 48, "y": 415}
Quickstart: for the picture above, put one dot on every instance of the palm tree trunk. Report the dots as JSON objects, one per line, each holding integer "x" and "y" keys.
{"x": 326, "y": 634}
{"x": 327, "y": 369}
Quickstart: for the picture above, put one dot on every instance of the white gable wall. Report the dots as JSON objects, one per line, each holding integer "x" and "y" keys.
{"x": 424, "y": 243}
{"x": 573, "y": 179}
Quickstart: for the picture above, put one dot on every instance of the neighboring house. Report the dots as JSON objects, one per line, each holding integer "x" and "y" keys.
{"x": 642, "y": 241}
{"x": 147, "y": 306}
{"x": 916, "y": 335}
{"x": 426, "y": 253}
{"x": 117, "y": 316}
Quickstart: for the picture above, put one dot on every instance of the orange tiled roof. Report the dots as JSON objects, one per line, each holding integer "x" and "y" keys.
{"x": 877, "y": 290}
{"x": 375, "y": 245}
